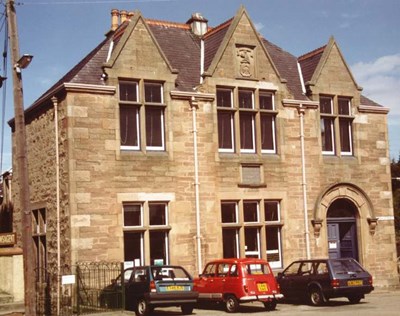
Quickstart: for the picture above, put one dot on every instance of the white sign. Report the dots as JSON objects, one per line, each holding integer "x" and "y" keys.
{"x": 332, "y": 245}
{"x": 68, "y": 279}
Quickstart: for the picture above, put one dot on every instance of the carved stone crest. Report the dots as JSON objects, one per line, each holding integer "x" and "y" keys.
{"x": 245, "y": 59}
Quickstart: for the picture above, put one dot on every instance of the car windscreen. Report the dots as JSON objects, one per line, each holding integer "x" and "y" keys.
{"x": 169, "y": 273}
{"x": 257, "y": 269}
{"x": 346, "y": 266}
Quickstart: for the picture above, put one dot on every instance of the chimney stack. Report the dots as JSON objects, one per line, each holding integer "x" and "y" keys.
{"x": 198, "y": 24}
{"x": 114, "y": 19}
{"x": 123, "y": 14}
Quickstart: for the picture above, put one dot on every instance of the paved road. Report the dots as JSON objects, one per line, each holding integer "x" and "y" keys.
{"x": 378, "y": 303}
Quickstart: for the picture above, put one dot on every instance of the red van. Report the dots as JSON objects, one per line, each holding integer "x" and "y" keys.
{"x": 234, "y": 281}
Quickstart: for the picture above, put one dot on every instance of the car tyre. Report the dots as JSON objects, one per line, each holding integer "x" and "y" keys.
{"x": 142, "y": 308}
{"x": 231, "y": 304}
{"x": 187, "y": 309}
{"x": 354, "y": 299}
{"x": 316, "y": 297}
{"x": 270, "y": 305}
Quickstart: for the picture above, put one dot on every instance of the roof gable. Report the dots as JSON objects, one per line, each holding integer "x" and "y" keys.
{"x": 313, "y": 63}
{"x": 221, "y": 38}
{"x": 123, "y": 38}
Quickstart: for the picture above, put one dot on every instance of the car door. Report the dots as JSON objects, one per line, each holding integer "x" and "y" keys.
{"x": 137, "y": 287}
{"x": 288, "y": 279}
{"x": 205, "y": 284}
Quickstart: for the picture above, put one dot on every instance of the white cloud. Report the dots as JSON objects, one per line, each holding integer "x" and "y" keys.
{"x": 259, "y": 26}
{"x": 381, "y": 81}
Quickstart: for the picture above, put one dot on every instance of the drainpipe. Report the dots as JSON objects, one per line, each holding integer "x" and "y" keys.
{"x": 194, "y": 107}
{"x": 55, "y": 104}
{"x": 301, "y": 111}
{"x": 201, "y": 60}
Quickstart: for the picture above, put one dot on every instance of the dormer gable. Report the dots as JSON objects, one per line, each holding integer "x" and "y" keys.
{"x": 130, "y": 35}
{"x": 325, "y": 66}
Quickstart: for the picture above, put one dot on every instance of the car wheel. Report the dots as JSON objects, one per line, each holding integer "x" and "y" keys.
{"x": 187, "y": 309}
{"x": 270, "y": 305}
{"x": 231, "y": 304}
{"x": 142, "y": 308}
{"x": 355, "y": 299}
{"x": 316, "y": 297}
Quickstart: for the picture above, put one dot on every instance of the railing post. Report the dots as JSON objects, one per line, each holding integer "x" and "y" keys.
{"x": 78, "y": 277}
{"x": 123, "y": 286}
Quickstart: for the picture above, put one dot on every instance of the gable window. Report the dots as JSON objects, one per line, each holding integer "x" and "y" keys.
{"x": 133, "y": 114}
{"x": 146, "y": 227}
{"x": 254, "y": 113}
{"x": 267, "y": 120}
{"x": 336, "y": 116}
{"x": 345, "y": 126}
{"x": 327, "y": 125}
{"x": 225, "y": 120}
{"x": 246, "y": 118}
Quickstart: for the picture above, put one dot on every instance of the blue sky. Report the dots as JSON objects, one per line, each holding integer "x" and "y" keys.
{"x": 59, "y": 33}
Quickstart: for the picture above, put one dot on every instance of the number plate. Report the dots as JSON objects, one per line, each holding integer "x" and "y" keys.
{"x": 354, "y": 282}
{"x": 175, "y": 288}
{"x": 262, "y": 287}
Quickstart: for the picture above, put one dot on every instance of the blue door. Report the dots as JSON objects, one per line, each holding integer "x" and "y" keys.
{"x": 342, "y": 229}
{"x": 342, "y": 238}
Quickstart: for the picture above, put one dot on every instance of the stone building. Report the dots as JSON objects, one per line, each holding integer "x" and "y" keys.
{"x": 180, "y": 143}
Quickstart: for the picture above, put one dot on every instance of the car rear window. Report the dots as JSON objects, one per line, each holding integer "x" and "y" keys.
{"x": 169, "y": 273}
{"x": 345, "y": 266}
{"x": 257, "y": 269}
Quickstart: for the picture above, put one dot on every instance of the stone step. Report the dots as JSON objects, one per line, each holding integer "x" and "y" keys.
{"x": 14, "y": 308}
{"x": 5, "y": 298}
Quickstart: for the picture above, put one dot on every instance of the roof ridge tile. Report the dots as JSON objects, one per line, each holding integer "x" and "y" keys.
{"x": 312, "y": 53}
{"x": 218, "y": 28}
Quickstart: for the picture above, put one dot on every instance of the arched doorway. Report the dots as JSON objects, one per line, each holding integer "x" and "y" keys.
{"x": 342, "y": 229}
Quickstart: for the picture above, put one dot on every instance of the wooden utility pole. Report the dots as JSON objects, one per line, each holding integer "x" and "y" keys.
{"x": 21, "y": 165}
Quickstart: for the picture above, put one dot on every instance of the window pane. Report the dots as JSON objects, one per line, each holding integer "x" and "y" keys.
{"x": 271, "y": 211}
{"x": 224, "y": 98}
{"x": 246, "y": 99}
{"x": 158, "y": 214}
{"x": 250, "y": 212}
{"x": 267, "y": 132}
{"x": 153, "y": 92}
{"x": 128, "y": 91}
{"x": 133, "y": 215}
{"x": 327, "y": 134}
{"x": 129, "y": 125}
{"x": 154, "y": 127}
{"x": 325, "y": 104}
{"x": 344, "y": 106}
{"x": 273, "y": 243}
{"x": 158, "y": 247}
{"x": 252, "y": 242}
{"x": 228, "y": 212}
{"x": 133, "y": 247}
{"x": 230, "y": 242}
{"x": 266, "y": 101}
{"x": 247, "y": 132}
{"x": 345, "y": 136}
{"x": 225, "y": 130}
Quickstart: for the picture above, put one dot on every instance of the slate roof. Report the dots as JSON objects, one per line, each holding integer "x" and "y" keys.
{"x": 182, "y": 49}
{"x": 309, "y": 62}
